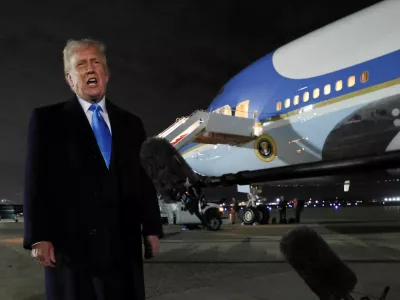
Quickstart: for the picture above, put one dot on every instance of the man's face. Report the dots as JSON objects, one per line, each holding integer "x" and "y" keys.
{"x": 88, "y": 77}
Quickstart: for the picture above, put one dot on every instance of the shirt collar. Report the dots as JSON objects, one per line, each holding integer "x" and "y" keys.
{"x": 85, "y": 104}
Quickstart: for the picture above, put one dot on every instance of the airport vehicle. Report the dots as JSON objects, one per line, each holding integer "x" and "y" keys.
{"x": 9, "y": 210}
{"x": 181, "y": 215}
{"x": 325, "y": 107}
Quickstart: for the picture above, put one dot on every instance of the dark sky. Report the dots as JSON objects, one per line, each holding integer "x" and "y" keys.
{"x": 167, "y": 58}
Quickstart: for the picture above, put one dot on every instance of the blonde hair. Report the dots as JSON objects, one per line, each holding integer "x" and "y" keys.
{"x": 73, "y": 46}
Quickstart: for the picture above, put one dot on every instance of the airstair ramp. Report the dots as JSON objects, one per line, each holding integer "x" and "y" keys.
{"x": 181, "y": 125}
{"x": 209, "y": 128}
{"x": 227, "y": 129}
{"x": 188, "y": 135}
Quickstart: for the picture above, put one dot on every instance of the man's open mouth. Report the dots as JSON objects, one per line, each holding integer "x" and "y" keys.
{"x": 92, "y": 82}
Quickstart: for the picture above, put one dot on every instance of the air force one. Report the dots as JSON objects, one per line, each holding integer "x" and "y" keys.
{"x": 331, "y": 95}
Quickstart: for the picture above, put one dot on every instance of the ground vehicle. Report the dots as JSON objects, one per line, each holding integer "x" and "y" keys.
{"x": 212, "y": 213}
{"x": 10, "y": 211}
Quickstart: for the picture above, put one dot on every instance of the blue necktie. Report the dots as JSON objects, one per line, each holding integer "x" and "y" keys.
{"x": 102, "y": 132}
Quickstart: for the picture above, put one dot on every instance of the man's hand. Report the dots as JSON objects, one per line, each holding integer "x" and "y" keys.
{"x": 155, "y": 244}
{"x": 43, "y": 252}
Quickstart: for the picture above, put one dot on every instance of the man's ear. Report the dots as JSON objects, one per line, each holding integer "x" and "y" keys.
{"x": 107, "y": 71}
{"x": 69, "y": 79}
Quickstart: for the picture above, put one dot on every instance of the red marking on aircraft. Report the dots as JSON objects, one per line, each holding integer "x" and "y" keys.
{"x": 181, "y": 137}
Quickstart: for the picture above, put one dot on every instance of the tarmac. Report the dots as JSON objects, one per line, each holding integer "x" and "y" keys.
{"x": 237, "y": 262}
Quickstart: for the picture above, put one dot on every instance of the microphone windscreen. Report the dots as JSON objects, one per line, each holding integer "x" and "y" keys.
{"x": 321, "y": 269}
{"x": 165, "y": 165}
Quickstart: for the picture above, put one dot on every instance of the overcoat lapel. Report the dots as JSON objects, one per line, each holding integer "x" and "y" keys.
{"x": 118, "y": 133}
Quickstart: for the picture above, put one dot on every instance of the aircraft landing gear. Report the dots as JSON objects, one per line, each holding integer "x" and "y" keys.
{"x": 250, "y": 216}
{"x": 254, "y": 213}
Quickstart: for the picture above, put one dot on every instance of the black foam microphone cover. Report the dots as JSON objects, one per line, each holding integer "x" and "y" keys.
{"x": 319, "y": 266}
{"x": 165, "y": 165}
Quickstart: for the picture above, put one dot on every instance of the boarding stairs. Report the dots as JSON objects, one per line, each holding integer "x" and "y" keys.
{"x": 209, "y": 128}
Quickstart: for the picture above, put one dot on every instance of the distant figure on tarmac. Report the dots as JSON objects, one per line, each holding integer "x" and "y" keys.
{"x": 235, "y": 210}
{"x": 282, "y": 211}
{"x": 298, "y": 206}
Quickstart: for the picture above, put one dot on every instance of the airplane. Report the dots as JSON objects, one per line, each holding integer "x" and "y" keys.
{"x": 331, "y": 95}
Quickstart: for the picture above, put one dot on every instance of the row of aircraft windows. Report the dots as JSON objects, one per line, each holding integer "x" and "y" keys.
{"x": 351, "y": 81}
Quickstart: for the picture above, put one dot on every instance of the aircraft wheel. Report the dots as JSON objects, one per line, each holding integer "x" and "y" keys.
{"x": 250, "y": 216}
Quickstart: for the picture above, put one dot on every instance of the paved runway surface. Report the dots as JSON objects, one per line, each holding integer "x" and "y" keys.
{"x": 238, "y": 262}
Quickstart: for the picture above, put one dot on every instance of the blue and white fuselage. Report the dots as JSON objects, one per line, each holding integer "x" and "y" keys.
{"x": 334, "y": 93}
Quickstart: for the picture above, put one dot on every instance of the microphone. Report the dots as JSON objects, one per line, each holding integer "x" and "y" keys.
{"x": 321, "y": 269}
{"x": 165, "y": 165}
{"x": 173, "y": 178}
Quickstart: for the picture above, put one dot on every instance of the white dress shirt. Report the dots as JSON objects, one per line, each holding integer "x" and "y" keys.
{"x": 85, "y": 106}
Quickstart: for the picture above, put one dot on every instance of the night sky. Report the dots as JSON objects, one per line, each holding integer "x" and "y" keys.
{"x": 167, "y": 58}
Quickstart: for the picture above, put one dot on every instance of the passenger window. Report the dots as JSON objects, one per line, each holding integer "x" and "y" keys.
{"x": 296, "y": 100}
{"x": 287, "y": 103}
{"x": 339, "y": 85}
{"x": 327, "y": 89}
{"x": 364, "y": 77}
{"x": 351, "y": 81}
{"x": 306, "y": 96}
{"x": 279, "y": 106}
{"x": 316, "y": 93}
